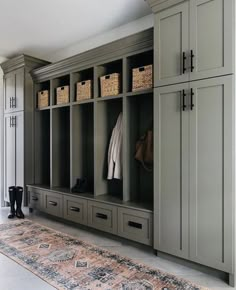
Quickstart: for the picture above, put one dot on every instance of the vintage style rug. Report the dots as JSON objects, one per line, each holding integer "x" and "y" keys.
{"x": 66, "y": 262}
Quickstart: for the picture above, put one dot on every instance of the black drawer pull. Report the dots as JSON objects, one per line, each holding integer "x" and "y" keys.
{"x": 101, "y": 216}
{"x": 53, "y": 203}
{"x": 192, "y": 56}
{"x": 73, "y": 208}
{"x": 135, "y": 225}
{"x": 184, "y": 59}
{"x": 35, "y": 199}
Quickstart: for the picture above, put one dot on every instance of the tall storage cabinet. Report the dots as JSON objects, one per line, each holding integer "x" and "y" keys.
{"x": 194, "y": 210}
{"x": 18, "y": 121}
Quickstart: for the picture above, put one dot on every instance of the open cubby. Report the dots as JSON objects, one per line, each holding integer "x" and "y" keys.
{"x": 42, "y": 147}
{"x": 59, "y": 82}
{"x": 106, "y": 117}
{"x": 135, "y": 61}
{"x": 61, "y": 147}
{"x": 80, "y": 76}
{"x": 83, "y": 144}
{"x": 109, "y": 68}
{"x": 139, "y": 120}
{"x": 43, "y": 86}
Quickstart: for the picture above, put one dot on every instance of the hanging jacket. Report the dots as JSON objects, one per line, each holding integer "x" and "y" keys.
{"x": 115, "y": 151}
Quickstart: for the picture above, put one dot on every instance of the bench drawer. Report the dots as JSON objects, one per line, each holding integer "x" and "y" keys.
{"x": 53, "y": 204}
{"x": 75, "y": 209}
{"x": 135, "y": 225}
{"x": 102, "y": 216}
{"x": 35, "y": 200}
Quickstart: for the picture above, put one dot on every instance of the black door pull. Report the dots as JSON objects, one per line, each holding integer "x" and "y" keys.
{"x": 184, "y": 59}
{"x": 73, "y": 208}
{"x": 34, "y": 198}
{"x": 192, "y": 105}
{"x": 53, "y": 203}
{"x": 184, "y": 105}
{"x": 135, "y": 225}
{"x": 101, "y": 216}
{"x": 192, "y": 56}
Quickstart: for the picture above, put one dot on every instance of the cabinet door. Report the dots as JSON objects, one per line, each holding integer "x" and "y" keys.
{"x": 9, "y": 91}
{"x": 171, "y": 40}
{"x": 211, "y": 173}
{"x": 18, "y": 101}
{"x": 9, "y": 155}
{"x": 171, "y": 166}
{"x": 19, "y": 127}
{"x": 211, "y": 35}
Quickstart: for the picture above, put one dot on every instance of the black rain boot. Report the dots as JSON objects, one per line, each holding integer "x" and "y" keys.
{"x": 12, "y": 197}
{"x": 19, "y": 195}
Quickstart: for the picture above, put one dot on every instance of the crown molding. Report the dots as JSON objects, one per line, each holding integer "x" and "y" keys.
{"x": 105, "y": 53}
{"x": 22, "y": 61}
{"x": 158, "y": 5}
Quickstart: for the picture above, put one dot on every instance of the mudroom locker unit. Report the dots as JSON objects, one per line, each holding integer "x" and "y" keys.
{"x": 185, "y": 205}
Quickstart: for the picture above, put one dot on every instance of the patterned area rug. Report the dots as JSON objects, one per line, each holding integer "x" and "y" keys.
{"x": 66, "y": 262}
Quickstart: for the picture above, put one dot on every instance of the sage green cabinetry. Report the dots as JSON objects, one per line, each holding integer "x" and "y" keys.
{"x": 194, "y": 40}
{"x": 193, "y": 204}
{"x": 18, "y": 121}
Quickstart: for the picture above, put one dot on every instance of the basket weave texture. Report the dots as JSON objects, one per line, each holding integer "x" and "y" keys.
{"x": 63, "y": 95}
{"x": 142, "y": 78}
{"x": 110, "y": 85}
{"x": 84, "y": 90}
{"x": 43, "y": 99}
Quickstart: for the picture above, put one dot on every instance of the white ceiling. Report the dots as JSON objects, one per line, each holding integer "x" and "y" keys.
{"x": 41, "y": 27}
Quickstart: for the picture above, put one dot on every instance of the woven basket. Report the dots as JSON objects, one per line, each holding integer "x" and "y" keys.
{"x": 142, "y": 78}
{"x": 63, "y": 95}
{"x": 110, "y": 85}
{"x": 84, "y": 90}
{"x": 43, "y": 99}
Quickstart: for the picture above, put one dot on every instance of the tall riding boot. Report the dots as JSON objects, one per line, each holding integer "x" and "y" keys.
{"x": 12, "y": 197}
{"x": 19, "y": 195}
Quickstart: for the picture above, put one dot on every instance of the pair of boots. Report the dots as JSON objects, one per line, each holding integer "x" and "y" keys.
{"x": 16, "y": 194}
{"x": 81, "y": 186}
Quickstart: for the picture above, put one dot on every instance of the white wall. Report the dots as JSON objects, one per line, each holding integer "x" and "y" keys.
{"x": 1, "y": 133}
{"x": 112, "y": 35}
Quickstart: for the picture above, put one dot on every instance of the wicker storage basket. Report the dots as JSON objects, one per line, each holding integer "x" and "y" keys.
{"x": 142, "y": 78}
{"x": 43, "y": 99}
{"x": 62, "y": 95}
{"x": 110, "y": 85}
{"x": 84, "y": 90}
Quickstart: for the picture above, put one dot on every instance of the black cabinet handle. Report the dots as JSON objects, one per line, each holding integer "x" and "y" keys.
{"x": 10, "y": 122}
{"x": 14, "y": 121}
{"x": 73, "y": 208}
{"x": 35, "y": 199}
{"x": 192, "y": 105}
{"x": 192, "y": 56}
{"x": 10, "y": 102}
{"x": 135, "y": 225}
{"x": 184, "y": 105}
{"x": 15, "y": 102}
{"x": 101, "y": 216}
{"x": 184, "y": 59}
{"x": 53, "y": 203}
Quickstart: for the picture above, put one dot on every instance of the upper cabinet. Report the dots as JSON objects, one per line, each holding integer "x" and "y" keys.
{"x": 18, "y": 83}
{"x": 14, "y": 91}
{"x": 193, "y": 40}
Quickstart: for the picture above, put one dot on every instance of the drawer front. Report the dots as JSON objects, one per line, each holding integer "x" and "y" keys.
{"x": 135, "y": 225}
{"x": 75, "y": 209}
{"x": 35, "y": 200}
{"x": 53, "y": 204}
{"x": 102, "y": 216}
